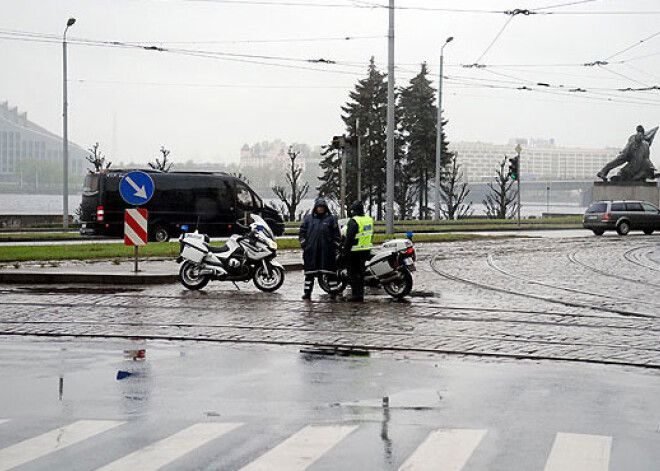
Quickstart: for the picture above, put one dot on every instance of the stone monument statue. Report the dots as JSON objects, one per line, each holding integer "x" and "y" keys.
{"x": 636, "y": 155}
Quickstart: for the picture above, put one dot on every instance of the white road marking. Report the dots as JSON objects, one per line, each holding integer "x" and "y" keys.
{"x": 2, "y": 421}
{"x": 444, "y": 450}
{"x": 299, "y": 451}
{"x": 165, "y": 451}
{"x": 49, "y": 442}
{"x": 573, "y": 452}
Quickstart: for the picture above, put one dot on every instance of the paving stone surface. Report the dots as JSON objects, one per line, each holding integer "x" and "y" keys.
{"x": 582, "y": 299}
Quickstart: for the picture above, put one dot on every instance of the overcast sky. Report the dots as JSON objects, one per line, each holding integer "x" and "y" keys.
{"x": 235, "y": 71}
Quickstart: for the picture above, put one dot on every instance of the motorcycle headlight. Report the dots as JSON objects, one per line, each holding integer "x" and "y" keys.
{"x": 272, "y": 244}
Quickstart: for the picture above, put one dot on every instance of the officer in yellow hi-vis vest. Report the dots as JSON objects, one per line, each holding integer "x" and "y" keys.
{"x": 357, "y": 248}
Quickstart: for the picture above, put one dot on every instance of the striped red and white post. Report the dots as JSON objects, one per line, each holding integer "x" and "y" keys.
{"x": 135, "y": 227}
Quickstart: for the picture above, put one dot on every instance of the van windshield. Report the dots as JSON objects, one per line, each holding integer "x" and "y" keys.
{"x": 91, "y": 185}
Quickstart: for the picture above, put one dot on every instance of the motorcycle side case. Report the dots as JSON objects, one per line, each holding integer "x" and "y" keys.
{"x": 379, "y": 264}
{"x": 193, "y": 248}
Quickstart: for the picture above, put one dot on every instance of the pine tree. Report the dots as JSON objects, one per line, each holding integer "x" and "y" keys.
{"x": 330, "y": 180}
{"x": 369, "y": 105}
{"x": 419, "y": 129}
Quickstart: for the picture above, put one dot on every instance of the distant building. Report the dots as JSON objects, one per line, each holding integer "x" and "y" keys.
{"x": 22, "y": 139}
{"x": 540, "y": 159}
{"x": 266, "y": 155}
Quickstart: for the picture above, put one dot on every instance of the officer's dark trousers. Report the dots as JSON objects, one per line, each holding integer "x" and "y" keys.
{"x": 355, "y": 264}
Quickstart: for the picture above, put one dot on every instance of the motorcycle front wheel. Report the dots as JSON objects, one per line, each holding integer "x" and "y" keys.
{"x": 401, "y": 287}
{"x": 331, "y": 285}
{"x": 190, "y": 278}
{"x": 268, "y": 283}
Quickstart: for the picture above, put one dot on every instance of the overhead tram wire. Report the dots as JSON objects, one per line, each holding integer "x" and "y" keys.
{"x": 234, "y": 57}
{"x": 638, "y": 43}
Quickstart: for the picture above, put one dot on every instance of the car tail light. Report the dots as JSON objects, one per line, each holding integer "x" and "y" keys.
{"x": 607, "y": 217}
{"x": 100, "y": 214}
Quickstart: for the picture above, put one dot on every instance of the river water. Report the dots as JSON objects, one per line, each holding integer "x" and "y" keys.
{"x": 52, "y": 204}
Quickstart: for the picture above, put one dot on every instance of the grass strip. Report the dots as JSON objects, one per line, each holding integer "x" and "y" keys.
{"x": 168, "y": 249}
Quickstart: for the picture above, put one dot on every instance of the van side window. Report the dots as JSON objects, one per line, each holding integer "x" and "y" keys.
{"x": 244, "y": 196}
{"x": 634, "y": 207}
{"x": 618, "y": 207}
{"x": 225, "y": 197}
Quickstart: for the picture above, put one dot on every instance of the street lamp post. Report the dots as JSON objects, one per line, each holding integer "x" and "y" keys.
{"x": 438, "y": 143}
{"x": 65, "y": 142}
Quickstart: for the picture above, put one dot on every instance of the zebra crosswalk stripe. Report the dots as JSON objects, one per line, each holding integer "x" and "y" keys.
{"x": 301, "y": 449}
{"x": 576, "y": 452}
{"x": 163, "y": 452}
{"x": 444, "y": 450}
{"x": 38, "y": 447}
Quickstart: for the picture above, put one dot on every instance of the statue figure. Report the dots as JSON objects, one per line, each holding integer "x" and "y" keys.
{"x": 636, "y": 156}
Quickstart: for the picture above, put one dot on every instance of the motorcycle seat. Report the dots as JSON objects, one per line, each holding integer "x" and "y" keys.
{"x": 214, "y": 249}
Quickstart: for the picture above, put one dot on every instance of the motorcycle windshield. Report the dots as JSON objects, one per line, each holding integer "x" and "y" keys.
{"x": 258, "y": 220}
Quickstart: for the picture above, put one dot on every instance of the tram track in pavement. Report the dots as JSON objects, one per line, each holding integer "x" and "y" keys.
{"x": 572, "y": 257}
{"x": 551, "y": 300}
{"x": 633, "y": 257}
{"x": 494, "y": 266}
{"x": 361, "y": 346}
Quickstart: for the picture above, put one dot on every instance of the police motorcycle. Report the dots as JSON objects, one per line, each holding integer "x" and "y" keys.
{"x": 244, "y": 257}
{"x": 390, "y": 266}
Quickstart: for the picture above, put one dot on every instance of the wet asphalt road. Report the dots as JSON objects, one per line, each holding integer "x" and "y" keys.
{"x": 544, "y": 349}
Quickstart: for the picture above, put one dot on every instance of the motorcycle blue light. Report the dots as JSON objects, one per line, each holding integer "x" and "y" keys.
{"x": 184, "y": 228}
{"x": 409, "y": 235}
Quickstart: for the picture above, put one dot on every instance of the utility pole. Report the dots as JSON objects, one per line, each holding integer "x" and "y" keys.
{"x": 438, "y": 142}
{"x": 518, "y": 149}
{"x": 342, "y": 155}
{"x": 65, "y": 126}
{"x": 359, "y": 160}
{"x": 389, "y": 226}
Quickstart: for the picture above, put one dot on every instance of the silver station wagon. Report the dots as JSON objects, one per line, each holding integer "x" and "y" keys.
{"x": 622, "y": 216}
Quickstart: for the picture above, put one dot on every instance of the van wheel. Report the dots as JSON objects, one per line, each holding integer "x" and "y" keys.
{"x": 598, "y": 232}
{"x": 161, "y": 234}
{"x": 648, "y": 231}
{"x": 623, "y": 228}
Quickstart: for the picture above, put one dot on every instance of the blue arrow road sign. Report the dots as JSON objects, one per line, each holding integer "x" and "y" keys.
{"x": 136, "y": 188}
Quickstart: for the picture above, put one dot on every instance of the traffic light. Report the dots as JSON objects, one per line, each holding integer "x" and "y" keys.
{"x": 514, "y": 168}
{"x": 339, "y": 142}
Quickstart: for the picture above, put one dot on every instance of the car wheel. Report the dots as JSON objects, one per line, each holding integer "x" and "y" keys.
{"x": 648, "y": 231}
{"x": 598, "y": 232}
{"x": 161, "y": 234}
{"x": 623, "y": 228}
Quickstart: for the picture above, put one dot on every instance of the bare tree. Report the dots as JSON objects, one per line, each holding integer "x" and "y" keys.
{"x": 501, "y": 201}
{"x": 163, "y": 165}
{"x": 453, "y": 192}
{"x": 97, "y": 159}
{"x": 297, "y": 191}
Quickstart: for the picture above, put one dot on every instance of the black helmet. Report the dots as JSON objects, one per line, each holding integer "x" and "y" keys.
{"x": 357, "y": 208}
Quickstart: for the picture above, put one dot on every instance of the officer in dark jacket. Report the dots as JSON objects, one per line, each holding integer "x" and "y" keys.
{"x": 319, "y": 238}
{"x": 357, "y": 248}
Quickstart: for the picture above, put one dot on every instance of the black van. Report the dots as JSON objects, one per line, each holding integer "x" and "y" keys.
{"x": 213, "y": 203}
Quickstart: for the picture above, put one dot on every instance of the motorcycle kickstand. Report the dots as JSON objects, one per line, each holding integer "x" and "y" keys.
{"x": 236, "y": 285}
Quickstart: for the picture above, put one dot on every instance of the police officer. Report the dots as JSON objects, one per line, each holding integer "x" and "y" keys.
{"x": 359, "y": 235}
